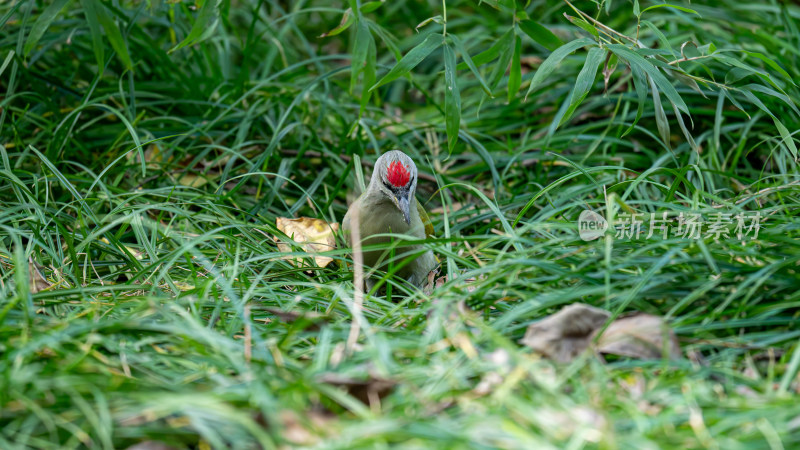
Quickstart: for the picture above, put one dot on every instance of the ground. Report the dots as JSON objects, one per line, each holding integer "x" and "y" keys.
{"x": 149, "y": 148}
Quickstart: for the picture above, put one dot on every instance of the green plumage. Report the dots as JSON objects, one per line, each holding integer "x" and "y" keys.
{"x": 386, "y": 209}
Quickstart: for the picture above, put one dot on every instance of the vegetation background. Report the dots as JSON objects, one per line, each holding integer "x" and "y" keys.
{"x": 148, "y": 147}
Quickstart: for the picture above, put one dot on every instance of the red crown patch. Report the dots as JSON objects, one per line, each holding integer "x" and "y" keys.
{"x": 397, "y": 174}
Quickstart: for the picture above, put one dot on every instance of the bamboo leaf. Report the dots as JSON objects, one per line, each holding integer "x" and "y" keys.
{"x": 661, "y": 38}
{"x": 8, "y": 59}
{"x": 360, "y": 49}
{"x": 369, "y": 7}
{"x": 584, "y": 25}
{"x": 640, "y": 84}
{"x": 436, "y": 19}
{"x": 41, "y": 24}
{"x": 387, "y": 39}
{"x": 787, "y": 138}
{"x": 765, "y": 90}
{"x": 492, "y": 52}
{"x": 757, "y": 101}
{"x": 689, "y": 81}
{"x": 469, "y": 62}
{"x": 562, "y": 110}
{"x": 370, "y": 72}
{"x": 501, "y": 65}
{"x": 549, "y": 65}
{"x": 499, "y": 68}
{"x": 772, "y": 64}
{"x": 515, "y": 74}
{"x": 540, "y": 34}
{"x": 114, "y": 35}
{"x": 90, "y": 11}
{"x": 347, "y": 19}
{"x": 661, "y": 117}
{"x": 685, "y": 130}
{"x": 411, "y": 59}
{"x": 656, "y": 76}
{"x": 585, "y": 80}
{"x": 452, "y": 98}
{"x": 203, "y": 27}
{"x": 665, "y": 5}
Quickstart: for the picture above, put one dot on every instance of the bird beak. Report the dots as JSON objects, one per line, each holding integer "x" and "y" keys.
{"x": 402, "y": 204}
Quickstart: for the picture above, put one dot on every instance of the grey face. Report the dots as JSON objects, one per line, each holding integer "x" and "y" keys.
{"x": 396, "y": 176}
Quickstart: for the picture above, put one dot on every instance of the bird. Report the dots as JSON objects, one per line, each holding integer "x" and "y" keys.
{"x": 390, "y": 207}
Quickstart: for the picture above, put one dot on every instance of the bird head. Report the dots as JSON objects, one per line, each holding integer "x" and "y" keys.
{"x": 395, "y": 176}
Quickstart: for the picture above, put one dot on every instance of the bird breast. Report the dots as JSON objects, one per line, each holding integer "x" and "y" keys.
{"x": 384, "y": 217}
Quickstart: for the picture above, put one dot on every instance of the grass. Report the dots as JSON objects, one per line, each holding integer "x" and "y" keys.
{"x": 141, "y": 288}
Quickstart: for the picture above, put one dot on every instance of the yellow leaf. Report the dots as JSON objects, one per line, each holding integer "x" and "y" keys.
{"x": 312, "y": 235}
{"x": 192, "y": 180}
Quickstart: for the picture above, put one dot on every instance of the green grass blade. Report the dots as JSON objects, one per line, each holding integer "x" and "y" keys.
{"x": 411, "y": 59}
{"x": 452, "y": 98}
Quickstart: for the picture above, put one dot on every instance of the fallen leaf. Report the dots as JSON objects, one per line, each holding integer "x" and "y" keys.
{"x": 432, "y": 281}
{"x": 186, "y": 171}
{"x": 304, "y": 320}
{"x": 295, "y": 433}
{"x": 194, "y": 180}
{"x": 303, "y": 428}
{"x": 368, "y": 390}
{"x": 488, "y": 383}
{"x": 639, "y": 335}
{"x": 565, "y": 334}
{"x": 500, "y": 360}
{"x": 38, "y": 282}
{"x": 153, "y": 157}
{"x": 312, "y": 235}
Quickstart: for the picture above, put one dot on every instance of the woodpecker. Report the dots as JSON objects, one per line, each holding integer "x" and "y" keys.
{"x": 389, "y": 206}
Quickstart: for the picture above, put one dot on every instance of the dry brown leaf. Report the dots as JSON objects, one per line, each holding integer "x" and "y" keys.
{"x": 153, "y": 157}
{"x": 312, "y": 235}
{"x": 434, "y": 281}
{"x": 500, "y": 359}
{"x": 640, "y": 335}
{"x": 428, "y": 288}
{"x": 368, "y": 390}
{"x": 295, "y": 432}
{"x": 565, "y": 334}
{"x": 38, "y": 282}
{"x": 488, "y": 383}
{"x": 304, "y": 320}
{"x": 454, "y": 207}
{"x": 194, "y": 180}
{"x": 303, "y": 428}
{"x": 187, "y": 171}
